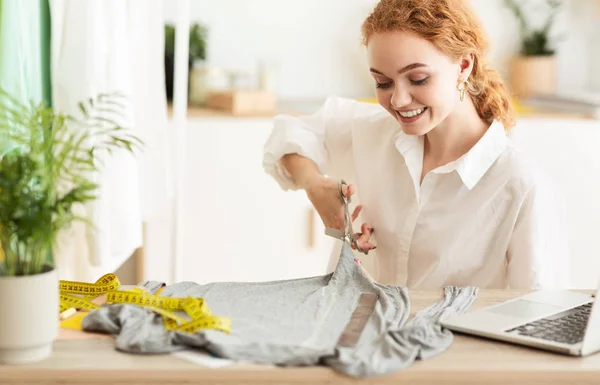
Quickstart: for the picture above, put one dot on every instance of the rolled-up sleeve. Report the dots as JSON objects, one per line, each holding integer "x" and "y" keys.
{"x": 538, "y": 255}
{"x": 304, "y": 135}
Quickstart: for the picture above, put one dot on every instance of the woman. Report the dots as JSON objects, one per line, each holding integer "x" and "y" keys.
{"x": 446, "y": 199}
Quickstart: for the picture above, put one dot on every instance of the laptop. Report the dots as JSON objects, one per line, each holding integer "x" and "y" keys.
{"x": 560, "y": 321}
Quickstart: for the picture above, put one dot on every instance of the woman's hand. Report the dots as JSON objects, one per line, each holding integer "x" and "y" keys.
{"x": 324, "y": 195}
{"x": 363, "y": 239}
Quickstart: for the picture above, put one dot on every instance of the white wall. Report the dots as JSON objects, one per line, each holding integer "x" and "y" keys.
{"x": 316, "y": 43}
{"x": 574, "y": 172}
{"x": 574, "y": 26}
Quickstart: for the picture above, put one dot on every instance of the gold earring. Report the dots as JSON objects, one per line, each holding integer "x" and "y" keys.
{"x": 462, "y": 87}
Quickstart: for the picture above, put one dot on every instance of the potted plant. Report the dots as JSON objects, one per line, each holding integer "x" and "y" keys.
{"x": 44, "y": 176}
{"x": 533, "y": 71}
{"x": 196, "y": 57}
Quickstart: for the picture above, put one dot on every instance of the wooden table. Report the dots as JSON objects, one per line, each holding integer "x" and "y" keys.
{"x": 81, "y": 358}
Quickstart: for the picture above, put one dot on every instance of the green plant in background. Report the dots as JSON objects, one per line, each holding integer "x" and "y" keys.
{"x": 169, "y": 40}
{"x": 197, "y": 47}
{"x": 49, "y": 171}
{"x": 198, "y": 36}
{"x": 536, "y": 41}
{"x": 197, "y": 51}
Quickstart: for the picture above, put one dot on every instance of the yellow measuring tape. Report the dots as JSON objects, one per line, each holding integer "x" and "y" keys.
{"x": 103, "y": 285}
{"x": 196, "y": 309}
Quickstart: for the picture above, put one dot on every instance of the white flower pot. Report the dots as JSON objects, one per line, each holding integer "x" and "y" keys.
{"x": 203, "y": 80}
{"x": 28, "y": 317}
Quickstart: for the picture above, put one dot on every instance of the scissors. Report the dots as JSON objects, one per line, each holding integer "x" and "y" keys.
{"x": 346, "y": 235}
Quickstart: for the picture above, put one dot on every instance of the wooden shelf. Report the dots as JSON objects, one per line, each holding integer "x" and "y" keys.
{"x": 205, "y": 112}
{"x": 307, "y": 107}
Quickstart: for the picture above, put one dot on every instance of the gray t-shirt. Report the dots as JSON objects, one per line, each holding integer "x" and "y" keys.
{"x": 343, "y": 320}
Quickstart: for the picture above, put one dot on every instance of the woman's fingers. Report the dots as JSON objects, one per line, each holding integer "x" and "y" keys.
{"x": 337, "y": 221}
{"x": 363, "y": 238}
{"x": 329, "y": 205}
{"x": 348, "y": 190}
{"x": 334, "y": 218}
{"x": 366, "y": 232}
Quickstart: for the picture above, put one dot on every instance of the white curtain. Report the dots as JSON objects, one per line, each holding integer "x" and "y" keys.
{"x": 103, "y": 46}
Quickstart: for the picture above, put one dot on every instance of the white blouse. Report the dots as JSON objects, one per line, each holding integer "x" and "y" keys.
{"x": 489, "y": 219}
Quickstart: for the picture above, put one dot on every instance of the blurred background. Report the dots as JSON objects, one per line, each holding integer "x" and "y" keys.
{"x": 313, "y": 47}
{"x": 197, "y": 205}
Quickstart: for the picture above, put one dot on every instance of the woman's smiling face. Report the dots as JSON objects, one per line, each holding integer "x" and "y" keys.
{"x": 415, "y": 82}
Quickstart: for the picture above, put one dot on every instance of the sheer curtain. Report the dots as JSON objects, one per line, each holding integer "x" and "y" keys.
{"x": 106, "y": 46}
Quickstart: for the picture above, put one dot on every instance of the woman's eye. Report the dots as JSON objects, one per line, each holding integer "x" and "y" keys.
{"x": 383, "y": 85}
{"x": 419, "y": 82}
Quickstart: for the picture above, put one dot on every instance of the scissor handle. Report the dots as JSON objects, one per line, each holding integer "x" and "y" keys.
{"x": 349, "y": 235}
{"x": 344, "y": 198}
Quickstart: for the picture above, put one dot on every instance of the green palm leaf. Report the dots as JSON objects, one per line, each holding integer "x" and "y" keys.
{"x": 47, "y": 169}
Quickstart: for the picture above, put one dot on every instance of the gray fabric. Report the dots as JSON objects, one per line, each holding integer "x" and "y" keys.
{"x": 152, "y": 286}
{"x": 296, "y": 322}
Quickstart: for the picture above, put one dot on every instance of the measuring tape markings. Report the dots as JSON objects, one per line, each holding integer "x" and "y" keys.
{"x": 196, "y": 308}
{"x": 69, "y": 301}
{"x": 217, "y": 323}
{"x": 89, "y": 291}
{"x": 143, "y": 299}
{"x": 104, "y": 284}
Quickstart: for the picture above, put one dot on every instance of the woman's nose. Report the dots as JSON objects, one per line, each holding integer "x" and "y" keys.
{"x": 400, "y": 98}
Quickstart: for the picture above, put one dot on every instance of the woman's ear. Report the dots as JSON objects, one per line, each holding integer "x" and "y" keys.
{"x": 466, "y": 67}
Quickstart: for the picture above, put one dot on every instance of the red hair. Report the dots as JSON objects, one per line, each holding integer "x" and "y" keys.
{"x": 451, "y": 26}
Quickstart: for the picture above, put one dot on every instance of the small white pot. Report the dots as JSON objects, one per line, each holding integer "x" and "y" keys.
{"x": 28, "y": 317}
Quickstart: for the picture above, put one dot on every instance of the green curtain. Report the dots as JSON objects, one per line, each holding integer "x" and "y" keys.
{"x": 45, "y": 41}
{"x": 25, "y": 53}
{"x": 25, "y": 56}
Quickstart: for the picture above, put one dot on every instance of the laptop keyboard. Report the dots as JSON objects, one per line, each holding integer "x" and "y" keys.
{"x": 567, "y": 327}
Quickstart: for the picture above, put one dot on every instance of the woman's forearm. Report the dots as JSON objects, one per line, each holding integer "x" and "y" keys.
{"x": 303, "y": 171}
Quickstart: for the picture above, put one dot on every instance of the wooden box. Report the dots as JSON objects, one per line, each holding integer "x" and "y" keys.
{"x": 243, "y": 102}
